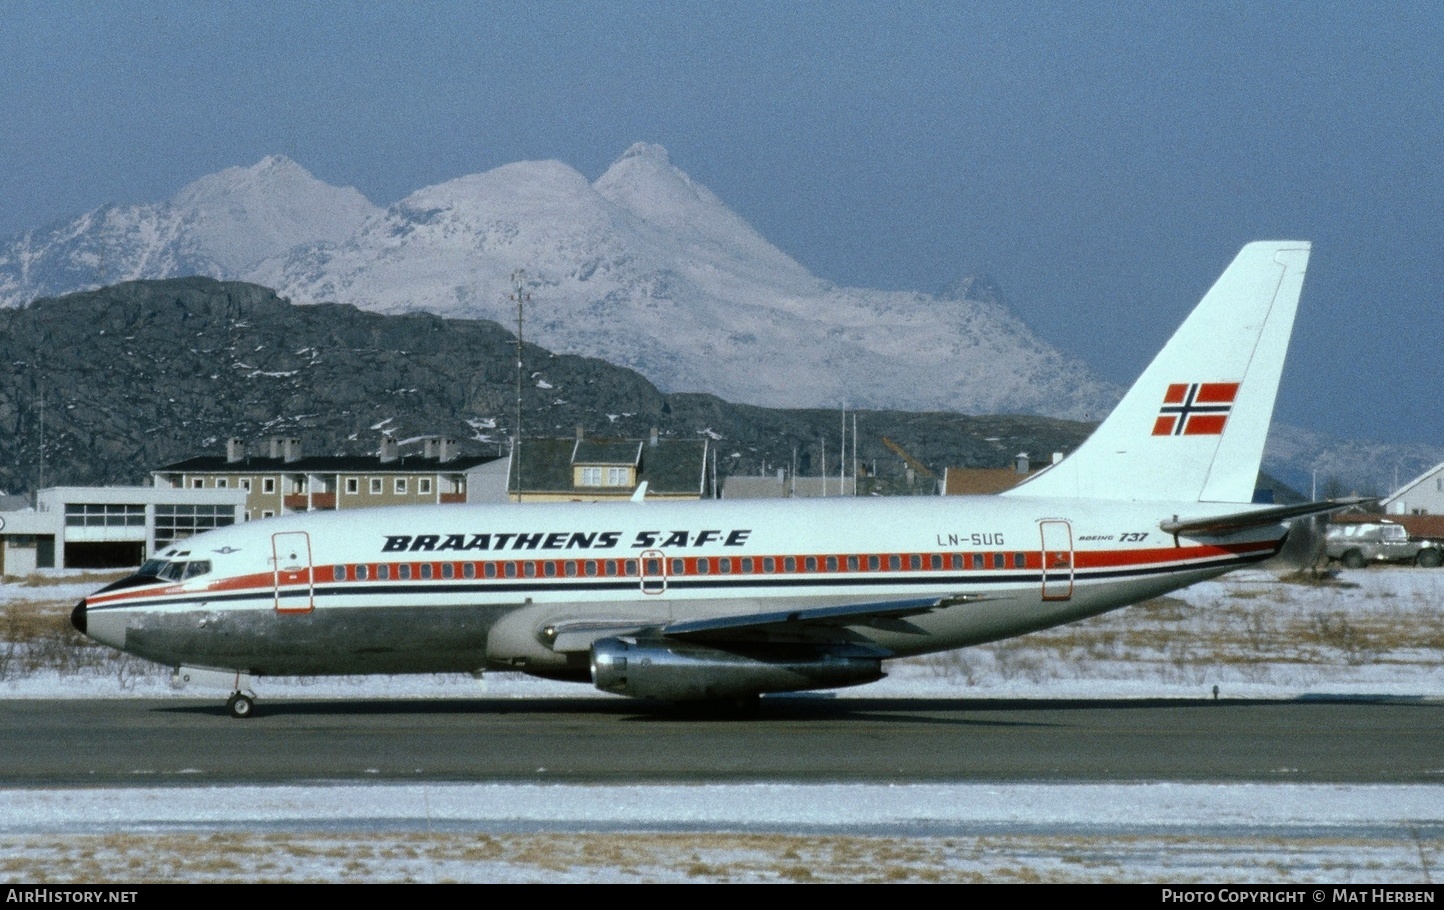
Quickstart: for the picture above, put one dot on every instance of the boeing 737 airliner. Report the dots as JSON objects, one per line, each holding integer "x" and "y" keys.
{"x": 731, "y": 599}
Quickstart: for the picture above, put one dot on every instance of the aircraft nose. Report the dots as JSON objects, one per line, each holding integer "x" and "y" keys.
{"x": 78, "y": 618}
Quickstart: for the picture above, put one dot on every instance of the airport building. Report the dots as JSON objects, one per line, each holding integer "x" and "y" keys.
{"x": 108, "y": 527}
{"x": 281, "y": 480}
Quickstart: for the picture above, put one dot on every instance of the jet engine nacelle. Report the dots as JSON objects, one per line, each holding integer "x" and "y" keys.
{"x": 671, "y": 670}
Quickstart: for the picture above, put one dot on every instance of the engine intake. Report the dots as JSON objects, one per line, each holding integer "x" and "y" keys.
{"x": 679, "y": 671}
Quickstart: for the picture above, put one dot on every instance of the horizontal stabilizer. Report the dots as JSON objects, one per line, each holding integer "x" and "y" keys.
{"x": 1220, "y": 525}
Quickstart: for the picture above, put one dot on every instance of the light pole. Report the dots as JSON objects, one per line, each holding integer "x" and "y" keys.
{"x": 521, "y": 297}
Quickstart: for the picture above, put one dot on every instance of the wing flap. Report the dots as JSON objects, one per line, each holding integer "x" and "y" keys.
{"x": 792, "y": 622}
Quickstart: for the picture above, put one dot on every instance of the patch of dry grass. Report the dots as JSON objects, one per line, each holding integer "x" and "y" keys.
{"x": 1248, "y": 630}
{"x": 712, "y": 857}
{"x": 97, "y": 579}
{"x": 38, "y": 636}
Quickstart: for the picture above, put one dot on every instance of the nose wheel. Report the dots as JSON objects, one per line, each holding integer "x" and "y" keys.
{"x": 241, "y": 705}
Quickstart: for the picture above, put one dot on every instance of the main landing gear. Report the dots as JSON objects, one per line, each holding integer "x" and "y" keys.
{"x": 241, "y": 705}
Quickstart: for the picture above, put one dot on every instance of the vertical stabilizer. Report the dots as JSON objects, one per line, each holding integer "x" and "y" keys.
{"x": 1192, "y": 428}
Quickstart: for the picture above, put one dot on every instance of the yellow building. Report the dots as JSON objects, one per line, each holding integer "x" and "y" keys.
{"x": 595, "y": 470}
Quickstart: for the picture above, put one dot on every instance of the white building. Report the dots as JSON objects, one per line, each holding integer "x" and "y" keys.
{"x": 1424, "y": 495}
{"x": 108, "y": 527}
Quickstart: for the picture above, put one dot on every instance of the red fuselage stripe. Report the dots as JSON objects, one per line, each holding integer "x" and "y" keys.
{"x": 675, "y": 567}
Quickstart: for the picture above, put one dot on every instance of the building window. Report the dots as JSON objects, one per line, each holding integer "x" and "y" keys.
{"x": 223, "y": 483}
{"x": 198, "y": 483}
{"x": 174, "y": 523}
{"x": 268, "y": 514}
{"x": 104, "y": 515}
{"x": 246, "y": 484}
{"x": 353, "y": 485}
{"x": 604, "y": 477}
{"x": 268, "y": 485}
{"x": 400, "y": 485}
{"x": 376, "y": 486}
{"x": 423, "y": 486}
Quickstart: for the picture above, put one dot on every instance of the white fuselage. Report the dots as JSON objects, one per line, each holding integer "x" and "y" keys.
{"x": 464, "y": 588}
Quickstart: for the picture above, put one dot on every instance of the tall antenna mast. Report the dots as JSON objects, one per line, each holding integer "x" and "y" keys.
{"x": 40, "y": 481}
{"x": 854, "y": 453}
{"x": 521, "y": 297}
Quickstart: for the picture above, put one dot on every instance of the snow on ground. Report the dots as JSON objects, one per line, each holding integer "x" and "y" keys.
{"x": 1372, "y": 632}
{"x": 1377, "y": 631}
{"x": 748, "y": 832}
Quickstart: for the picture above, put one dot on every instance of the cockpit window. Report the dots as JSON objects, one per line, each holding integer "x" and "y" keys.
{"x": 174, "y": 570}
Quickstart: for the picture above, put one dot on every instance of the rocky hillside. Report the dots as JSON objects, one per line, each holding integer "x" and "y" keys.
{"x": 643, "y": 267}
{"x": 102, "y": 386}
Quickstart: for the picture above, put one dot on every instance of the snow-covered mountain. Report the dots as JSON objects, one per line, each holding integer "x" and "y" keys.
{"x": 643, "y": 267}
{"x": 219, "y": 226}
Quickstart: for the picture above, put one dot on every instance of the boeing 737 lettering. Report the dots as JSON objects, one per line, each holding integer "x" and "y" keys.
{"x": 732, "y": 599}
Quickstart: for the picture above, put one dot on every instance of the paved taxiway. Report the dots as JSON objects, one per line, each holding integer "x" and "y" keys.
{"x": 593, "y": 740}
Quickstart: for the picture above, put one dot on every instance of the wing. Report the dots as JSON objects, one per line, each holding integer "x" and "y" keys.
{"x": 807, "y": 624}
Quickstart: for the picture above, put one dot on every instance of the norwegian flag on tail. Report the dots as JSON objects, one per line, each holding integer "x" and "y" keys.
{"x": 1195, "y": 409}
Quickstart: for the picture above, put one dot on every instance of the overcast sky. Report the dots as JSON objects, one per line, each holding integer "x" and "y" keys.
{"x": 1102, "y": 161}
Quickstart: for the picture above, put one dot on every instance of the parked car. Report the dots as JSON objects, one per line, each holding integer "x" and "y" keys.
{"x": 1356, "y": 545}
